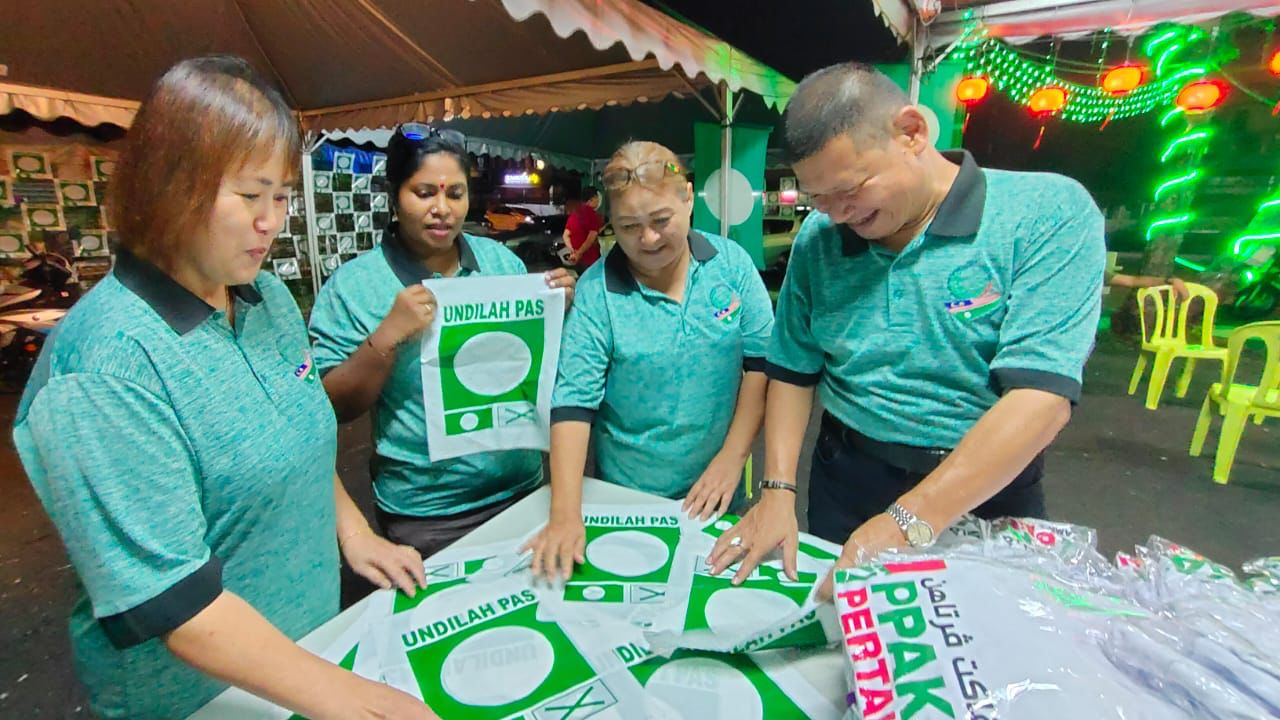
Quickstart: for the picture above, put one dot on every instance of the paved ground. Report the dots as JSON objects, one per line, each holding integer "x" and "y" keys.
{"x": 1117, "y": 467}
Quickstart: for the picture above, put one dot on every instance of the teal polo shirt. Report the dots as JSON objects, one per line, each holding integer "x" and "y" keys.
{"x": 658, "y": 379}
{"x": 1001, "y": 291}
{"x": 179, "y": 456}
{"x": 348, "y": 309}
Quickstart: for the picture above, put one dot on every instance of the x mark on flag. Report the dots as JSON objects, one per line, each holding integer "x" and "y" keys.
{"x": 579, "y": 704}
{"x": 514, "y": 415}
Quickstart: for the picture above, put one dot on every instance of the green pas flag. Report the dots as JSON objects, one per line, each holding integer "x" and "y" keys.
{"x": 489, "y": 363}
{"x": 938, "y": 95}
{"x": 481, "y": 650}
{"x": 745, "y": 179}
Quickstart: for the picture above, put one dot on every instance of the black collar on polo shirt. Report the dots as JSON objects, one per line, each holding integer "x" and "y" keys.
{"x": 176, "y": 305}
{"x": 619, "y": 279}
{"x": 959, "y": 215}
{"x": 408, "y": 268}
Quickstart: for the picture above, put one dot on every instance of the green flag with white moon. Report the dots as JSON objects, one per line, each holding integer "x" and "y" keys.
{"x": 489, "y": 363}
{"x": 745, "y": 178}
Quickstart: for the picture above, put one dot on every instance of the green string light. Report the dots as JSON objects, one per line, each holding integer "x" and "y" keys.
{"x": 1182, "y": 140}
{"x": 1175, "y": 182}
{"x": 1182, "y": 219}
{"x": 1245, "y": 241}
{"x": 1019, "y": 78}
{"x": 1170, "y": 116}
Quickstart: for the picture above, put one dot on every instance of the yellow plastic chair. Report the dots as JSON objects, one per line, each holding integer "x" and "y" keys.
{"x": 1238, "y": 401}
{"x": 1166, "y": 339}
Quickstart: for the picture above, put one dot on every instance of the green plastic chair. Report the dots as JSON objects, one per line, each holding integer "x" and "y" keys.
{"x": 1166, "y": 339}
{"x": 1237, "y": 401}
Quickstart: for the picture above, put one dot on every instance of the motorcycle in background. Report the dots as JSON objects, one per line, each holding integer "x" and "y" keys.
{"x": 1259, "y": 290}
{"x": 29, "y": 310}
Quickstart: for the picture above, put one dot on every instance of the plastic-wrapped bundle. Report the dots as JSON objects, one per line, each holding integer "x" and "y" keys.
{"x": 1218, "y": 631}
{"x": 982, "y": 637}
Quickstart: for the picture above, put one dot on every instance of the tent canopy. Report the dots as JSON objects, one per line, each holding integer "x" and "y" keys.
{"x": 372, "y": 63}
{"x": 1021, "y": 21}
{"x": 573, "y": 139}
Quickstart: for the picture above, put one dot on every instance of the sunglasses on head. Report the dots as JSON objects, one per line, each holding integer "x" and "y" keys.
{"x": 648, "y": 173}
{"x": 418, "y": 132}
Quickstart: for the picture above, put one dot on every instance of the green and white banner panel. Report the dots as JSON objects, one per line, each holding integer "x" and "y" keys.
{"x": 489, "y": 364}
{"x": 745, "y": 180}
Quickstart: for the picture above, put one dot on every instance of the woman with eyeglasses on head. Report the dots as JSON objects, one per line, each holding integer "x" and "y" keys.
{"x": 662, "y": 360}
{"x": 366, "y": 327}
{"x": 175, "y": 433}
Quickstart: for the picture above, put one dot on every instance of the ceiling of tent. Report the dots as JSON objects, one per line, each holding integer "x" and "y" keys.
{"x": 367, "y": 63}
{"x": 1020, "y": 21}
{"x": 595, "y": 134}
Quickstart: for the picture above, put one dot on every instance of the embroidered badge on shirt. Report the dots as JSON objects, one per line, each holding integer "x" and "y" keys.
{"x": 726, "y": 302}
{"x": 307, "y": 370}
{"x": 973, "y": 293}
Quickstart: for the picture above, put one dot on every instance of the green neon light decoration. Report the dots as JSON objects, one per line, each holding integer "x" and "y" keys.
{"x": 1188, "y": 264}
{"x": 1264, "y": 228}
{"x": 1164, "y": 57}
{"x": 1180, "y": 58}
{"x": 1177, "y": 142}
{"x": 1238, "y": 247}
{"x": 1167, "y": 117}
{"x": 1155, "y": 42}
{"x": 1175, "y": 182}
{"x": 1182, "y": 219}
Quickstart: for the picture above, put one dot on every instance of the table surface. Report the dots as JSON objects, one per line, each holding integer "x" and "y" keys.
{"x": 824, "y": 672}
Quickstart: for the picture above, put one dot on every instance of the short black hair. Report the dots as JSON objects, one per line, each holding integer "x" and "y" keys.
{"x": 851, "y": 97}
{"x": 405, "y": 156}
{"x": 589, "y": 194}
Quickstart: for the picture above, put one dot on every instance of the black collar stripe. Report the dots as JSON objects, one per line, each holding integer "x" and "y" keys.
{"x": 618, "y": 278}
{"x": 175, "y": 304}
{"x": 409, "y": 269}
{"x": 959, "y": 215}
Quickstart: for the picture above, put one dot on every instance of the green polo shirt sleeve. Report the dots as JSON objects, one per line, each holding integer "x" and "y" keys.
{"x": 585, "y": 348}
{"x": 757, "y": 312}
{"x": 1055, "y": 298}
{"x": 144, "y": 578}
{"x": 336, "y": 331}
{"x": 794, "y": 354}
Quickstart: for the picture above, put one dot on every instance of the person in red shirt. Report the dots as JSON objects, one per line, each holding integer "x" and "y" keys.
{"x": 582, "y": 229}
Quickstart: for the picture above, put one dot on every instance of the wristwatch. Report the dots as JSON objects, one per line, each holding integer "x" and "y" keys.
{"x": 917, "y": 531}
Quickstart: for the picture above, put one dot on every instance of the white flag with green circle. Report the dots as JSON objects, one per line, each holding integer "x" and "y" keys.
{"x": 489, "y": 363}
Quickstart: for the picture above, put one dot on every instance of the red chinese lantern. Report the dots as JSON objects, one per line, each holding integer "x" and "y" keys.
{"x": 1047, "y": 101}
{"x": 1274, "y": 63}
{"x": 1120, "y": 80}
{"x": 972, "y": 90}
{"x": 1201, "y": 95}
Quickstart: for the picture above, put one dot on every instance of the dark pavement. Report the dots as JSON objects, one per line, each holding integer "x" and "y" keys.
{"x": 1117, "y": 467}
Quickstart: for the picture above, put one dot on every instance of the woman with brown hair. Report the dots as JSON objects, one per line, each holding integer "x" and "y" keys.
{"x": 662, "y": 361}
{"x": 176, "y": 434}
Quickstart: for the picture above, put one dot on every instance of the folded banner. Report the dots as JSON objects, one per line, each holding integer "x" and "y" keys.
{"x": 489, "y": 363}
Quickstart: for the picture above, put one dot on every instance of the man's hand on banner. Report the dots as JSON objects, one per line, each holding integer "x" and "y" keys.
{"x": 562, "y": 278}
{"x": 413, "y": 311}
